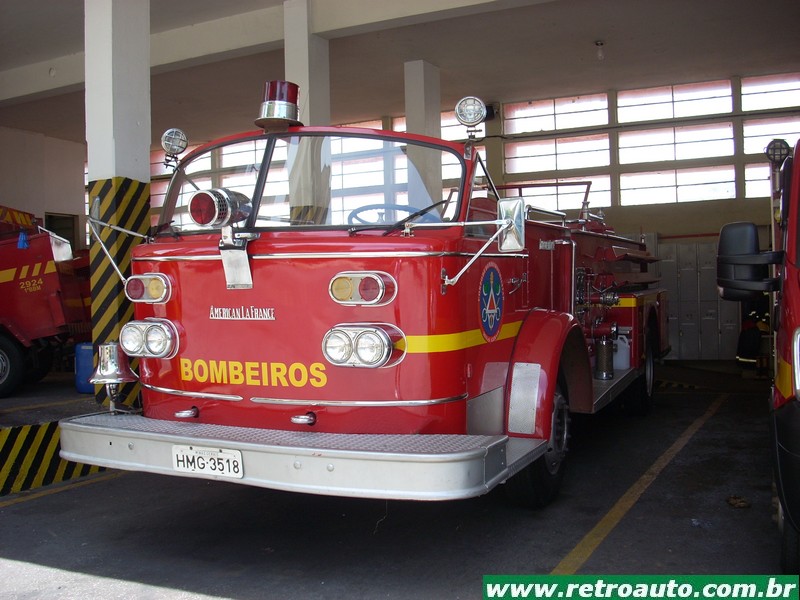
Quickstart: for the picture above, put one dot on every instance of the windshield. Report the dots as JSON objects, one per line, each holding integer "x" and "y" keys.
{"x": 323, "y": 180}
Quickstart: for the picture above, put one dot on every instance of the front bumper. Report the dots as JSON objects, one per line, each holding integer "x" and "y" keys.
{"x": 407, "y": 467}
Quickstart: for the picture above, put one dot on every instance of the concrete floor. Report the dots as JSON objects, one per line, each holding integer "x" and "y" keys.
{"x": 698, "y": 466}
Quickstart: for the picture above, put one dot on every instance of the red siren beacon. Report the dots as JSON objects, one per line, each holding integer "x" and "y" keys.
{"x": 279, "y": 109}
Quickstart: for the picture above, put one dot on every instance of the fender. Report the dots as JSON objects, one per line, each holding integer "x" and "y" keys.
{"x": 7, "y": 326}
{"x": 548, "y": 341}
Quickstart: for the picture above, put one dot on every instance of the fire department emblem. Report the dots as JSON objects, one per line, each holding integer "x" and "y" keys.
{"x": 491, "y": 302}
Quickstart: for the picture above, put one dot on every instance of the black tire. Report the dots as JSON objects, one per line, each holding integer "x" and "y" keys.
{"x": 790, "y": 544}
{"x": 12, "y": 366}
{"x": 639, "y": 401}
{"x": 40, "y": 362}
{"x": 538, "y": 484}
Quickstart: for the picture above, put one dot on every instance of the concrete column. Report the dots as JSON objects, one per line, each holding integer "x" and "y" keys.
{"x": 423, "y": 116}
{"x": 117, "y": 44}
{"x": 423, "y": 98}
{"x": 307, "y": 63}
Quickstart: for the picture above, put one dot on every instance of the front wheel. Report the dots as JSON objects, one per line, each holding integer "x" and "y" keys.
{"x": 790, "y": 543}
{"x": 640, "y": 400}
{"x": 40, "y": 362}
{"x": 12, "y": 366}
{"x": 538, "y": 483}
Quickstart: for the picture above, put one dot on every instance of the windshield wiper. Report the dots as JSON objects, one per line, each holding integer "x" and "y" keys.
{"x": 156, "y": 229}
{"x": 397, "y": 224}
{"x": 402, "y": 222}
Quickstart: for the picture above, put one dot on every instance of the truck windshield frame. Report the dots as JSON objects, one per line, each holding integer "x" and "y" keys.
{"x": 330, "y": 180}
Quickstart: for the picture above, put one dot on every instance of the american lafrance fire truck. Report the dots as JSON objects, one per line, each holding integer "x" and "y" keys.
{"x": 353, "y": 312}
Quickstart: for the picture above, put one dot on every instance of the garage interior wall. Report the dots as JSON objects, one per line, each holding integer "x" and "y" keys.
{"x": 554, "y": 54}
{"x": 41, "y": 174}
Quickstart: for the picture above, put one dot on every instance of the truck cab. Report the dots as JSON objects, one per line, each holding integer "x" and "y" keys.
{"x": 744, "y": 272}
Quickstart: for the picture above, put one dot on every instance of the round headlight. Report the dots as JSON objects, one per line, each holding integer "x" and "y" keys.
{"x": 337, "y": 346}
{"x": 156, "y": 340}
{"x": 371, "y": 347}
{"x": 470, "y": 111}
{"x": 131, "y": 339}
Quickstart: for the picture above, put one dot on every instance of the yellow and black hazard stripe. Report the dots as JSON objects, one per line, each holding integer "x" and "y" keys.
{"x": 125, "y": 203}
{"x": 29, "y": 459}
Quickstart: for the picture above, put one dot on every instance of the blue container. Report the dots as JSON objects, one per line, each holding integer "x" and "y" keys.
{"x": 84, "y": 367}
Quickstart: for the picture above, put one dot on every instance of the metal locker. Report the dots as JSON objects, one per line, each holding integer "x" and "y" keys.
{"x": 729, "y": 326}
{"x": 709, "y": 330}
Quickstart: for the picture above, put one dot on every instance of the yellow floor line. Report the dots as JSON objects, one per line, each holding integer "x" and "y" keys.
{"x": 38, "y": 406}
{"x": 23, "y": 497}
{"x": 586, "y": 547}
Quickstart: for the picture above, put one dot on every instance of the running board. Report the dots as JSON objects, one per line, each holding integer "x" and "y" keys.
{"x": 608, "y": 390}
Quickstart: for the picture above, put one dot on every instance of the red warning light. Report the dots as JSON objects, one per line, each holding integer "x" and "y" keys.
{"x": 280, "y": 91}
{"x": 279, "y": 109}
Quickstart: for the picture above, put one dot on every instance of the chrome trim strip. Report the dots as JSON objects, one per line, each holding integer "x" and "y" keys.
{"x": 176, "y": 258}
{"x": 319, "y": 255}
{"x": 360, "y": 403}
{"x": 207, "y": 395}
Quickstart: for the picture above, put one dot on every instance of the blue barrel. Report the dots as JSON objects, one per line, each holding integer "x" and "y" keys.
{"x": 83, "y": 368}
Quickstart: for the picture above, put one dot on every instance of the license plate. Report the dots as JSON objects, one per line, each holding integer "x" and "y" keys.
{"x": 210, "y": 461}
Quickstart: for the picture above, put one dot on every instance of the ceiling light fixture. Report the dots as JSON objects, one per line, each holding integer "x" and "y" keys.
{"x": 599, "y": 44}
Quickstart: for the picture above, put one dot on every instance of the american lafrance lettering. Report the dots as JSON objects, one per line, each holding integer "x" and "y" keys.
{"x": 241, "y": 313}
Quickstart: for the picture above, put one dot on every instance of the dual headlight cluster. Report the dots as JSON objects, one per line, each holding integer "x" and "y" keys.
{"x": 152, "y": 338}
{"x": 370, "y": 346}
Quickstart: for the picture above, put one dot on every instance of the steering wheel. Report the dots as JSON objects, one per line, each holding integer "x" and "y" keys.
{"x": 355, "y": 215}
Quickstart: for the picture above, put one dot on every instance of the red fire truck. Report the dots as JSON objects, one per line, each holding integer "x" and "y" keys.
{"x": 353, "y": 312}
{"x": 44, "y": 298}
{"x": 742, "y": 275}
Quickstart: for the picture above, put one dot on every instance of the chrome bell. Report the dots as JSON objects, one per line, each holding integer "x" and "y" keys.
{"x": 112, "y": 370}
{"x": 112, "y": 366}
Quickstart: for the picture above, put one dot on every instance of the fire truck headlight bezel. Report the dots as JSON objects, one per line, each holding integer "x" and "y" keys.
{"x": 157, "y": 340}
{"x": 348, "y": 288}
{"x": 372, "y": 347}
{"x": 337, "y": 347}
{"x": 131, "y": 339}
{"x": 365, "y": 345}
{"x": 153, "y": 338}
{"x": 155, "y": 288}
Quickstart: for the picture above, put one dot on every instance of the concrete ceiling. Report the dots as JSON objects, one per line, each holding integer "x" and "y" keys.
{"x": 501, "y": 50}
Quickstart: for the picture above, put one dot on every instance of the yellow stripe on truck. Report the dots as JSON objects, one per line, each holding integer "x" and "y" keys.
{"x": 449, "y": 342}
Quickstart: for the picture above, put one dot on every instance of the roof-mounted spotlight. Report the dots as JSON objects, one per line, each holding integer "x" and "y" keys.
{"x": 778, "y": 151}
{"x": 174, "y": 141}
{"x": 471, "y": 112}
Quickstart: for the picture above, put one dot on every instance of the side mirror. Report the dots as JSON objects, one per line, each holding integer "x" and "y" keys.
{"x": 512, "y": 238}
{"x": 742, "y": 269}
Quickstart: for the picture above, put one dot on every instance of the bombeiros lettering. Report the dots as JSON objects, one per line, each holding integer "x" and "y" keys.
{"x": 259, "y": 374}
{"x": 241, "y": 313}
